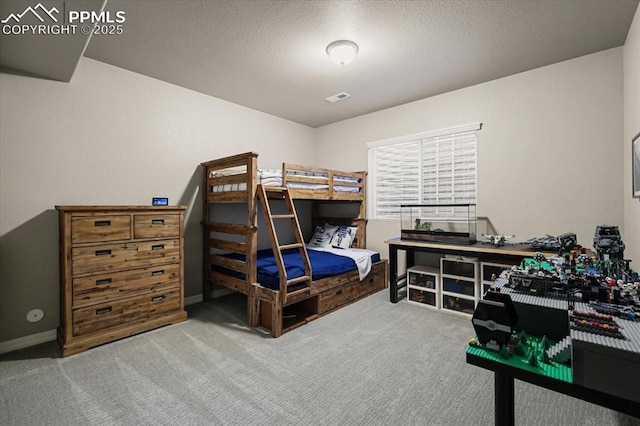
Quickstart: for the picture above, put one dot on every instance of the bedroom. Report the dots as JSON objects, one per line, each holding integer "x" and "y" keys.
{"x": 113, "y": 136}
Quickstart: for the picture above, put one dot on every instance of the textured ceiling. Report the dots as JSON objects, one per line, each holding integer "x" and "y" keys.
{"x": 270, "y": 55}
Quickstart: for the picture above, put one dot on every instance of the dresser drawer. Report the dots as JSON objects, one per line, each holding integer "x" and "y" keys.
{"x": 113, "y": 257}
{"x": 125, "y": 311}
{"x": 100, "y": 228}
{"x": 156, "y": 226}
{"x": 336, "y": 297}
{"x": 106, "y": 287}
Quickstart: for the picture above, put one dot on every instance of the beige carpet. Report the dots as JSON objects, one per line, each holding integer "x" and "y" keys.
{"x": 371, "y": 363}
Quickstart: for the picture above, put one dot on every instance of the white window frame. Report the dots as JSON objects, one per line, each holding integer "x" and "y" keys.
{"x": 407, "y": 155}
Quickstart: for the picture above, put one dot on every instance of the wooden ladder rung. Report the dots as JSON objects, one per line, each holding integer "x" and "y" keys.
{"x": 298, "y": 280}
{"x": 297, "y": 292}
{"x": 283, "y": 216}
{"x": 268, "y": 189}
{"x": 289, "y": 246}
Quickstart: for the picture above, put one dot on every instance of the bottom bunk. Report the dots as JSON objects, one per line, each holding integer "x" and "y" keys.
{"x": 339, "y": 277}
{"x": 326, "y": 295}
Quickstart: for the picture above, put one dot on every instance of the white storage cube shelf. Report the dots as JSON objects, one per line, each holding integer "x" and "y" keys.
{"x": 489, "y": 272}
{"x": 459, "y": 284}
{"x": 423, "y": 286}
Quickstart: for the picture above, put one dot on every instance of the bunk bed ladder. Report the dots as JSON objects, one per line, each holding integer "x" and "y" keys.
{"x": 295, "y": 286}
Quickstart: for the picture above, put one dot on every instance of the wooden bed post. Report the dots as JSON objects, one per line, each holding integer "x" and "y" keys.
{"x": 276, "y": 316}
{"x": 253, "y": 304}
{"x": 206, "y": 241}
{"x": 363, "y": 212}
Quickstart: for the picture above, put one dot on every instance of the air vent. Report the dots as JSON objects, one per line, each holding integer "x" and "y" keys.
{"x": 338, "y": 97}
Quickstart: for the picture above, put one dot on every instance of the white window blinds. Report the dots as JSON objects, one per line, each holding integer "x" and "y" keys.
{"x": 429, "y": 168}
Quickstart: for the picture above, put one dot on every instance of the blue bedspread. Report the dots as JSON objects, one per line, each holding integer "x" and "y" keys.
{"x": 323, "y": 265}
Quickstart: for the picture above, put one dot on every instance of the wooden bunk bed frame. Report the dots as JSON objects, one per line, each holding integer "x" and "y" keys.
{"x": 275, "y": 309}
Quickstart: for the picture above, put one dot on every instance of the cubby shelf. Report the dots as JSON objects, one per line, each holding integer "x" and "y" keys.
{"x": 489, "y": 271}
{"x": 456, "y": 287}
{"x": 423, "y": 286}
{"x": 460, "y": 284}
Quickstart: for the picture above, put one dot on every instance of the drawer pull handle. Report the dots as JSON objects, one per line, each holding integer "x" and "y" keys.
{"x": 103, "y": 310}
{"x": 339, "y": 292}
{"x": 158, "y": 247}
{"x": 103, "y": 281}
{"x": 102, "y": 223}
{"x": 157, "y": 221}
{"x": 105, "y": 252}
{"x": 156, "y": 273}
{"x": 158, "y": 298}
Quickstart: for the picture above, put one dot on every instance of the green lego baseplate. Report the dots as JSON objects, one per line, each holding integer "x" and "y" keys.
{"x": 551, "y": 369}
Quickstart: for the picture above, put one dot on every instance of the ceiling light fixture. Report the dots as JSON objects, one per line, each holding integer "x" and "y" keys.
{"x": 342, "y": 51}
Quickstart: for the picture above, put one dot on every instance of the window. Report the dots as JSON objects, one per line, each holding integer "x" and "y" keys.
{"x": 428, "y": 168}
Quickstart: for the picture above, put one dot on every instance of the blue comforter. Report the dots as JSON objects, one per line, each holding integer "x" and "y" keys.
{"x": 323, "y": 265}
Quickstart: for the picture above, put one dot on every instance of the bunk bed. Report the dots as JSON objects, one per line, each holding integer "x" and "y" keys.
{"x": 286, "y": 287}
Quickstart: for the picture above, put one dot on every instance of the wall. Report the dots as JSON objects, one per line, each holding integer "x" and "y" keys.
{"x": 548, "y": 157}
{"x": 631, "y": 128}
{"x": 109, "y": 137}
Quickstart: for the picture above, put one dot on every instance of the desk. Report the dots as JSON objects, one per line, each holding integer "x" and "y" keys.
{"x": 504, "y": 376}
{"x": 508, "y": 253}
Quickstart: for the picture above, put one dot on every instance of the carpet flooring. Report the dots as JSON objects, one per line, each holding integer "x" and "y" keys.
{"x": 370, "y": 363}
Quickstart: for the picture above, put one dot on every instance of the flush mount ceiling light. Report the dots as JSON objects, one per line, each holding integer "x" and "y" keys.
{"x": 342, "y": 51}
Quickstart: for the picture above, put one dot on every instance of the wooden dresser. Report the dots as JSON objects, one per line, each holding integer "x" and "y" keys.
{"x": 121, "y": 272}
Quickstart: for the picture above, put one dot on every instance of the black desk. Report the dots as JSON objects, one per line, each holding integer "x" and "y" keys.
{"x": 511, "y": 253}
{"x": 504, "y": 398}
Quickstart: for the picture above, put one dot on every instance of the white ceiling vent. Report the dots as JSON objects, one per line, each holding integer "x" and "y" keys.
{"x": 338, "y": 97}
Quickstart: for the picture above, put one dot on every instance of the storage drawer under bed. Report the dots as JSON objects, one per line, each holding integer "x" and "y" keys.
{"x": 336, "y": 297}
{"x": 374, "y": 282}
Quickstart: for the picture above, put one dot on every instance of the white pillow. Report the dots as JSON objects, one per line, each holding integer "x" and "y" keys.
{"x": 342, "y": 238}
{"x": 331, "y": 228}
{"x": 354, "y": 232}
{"x": 322, "y": 237}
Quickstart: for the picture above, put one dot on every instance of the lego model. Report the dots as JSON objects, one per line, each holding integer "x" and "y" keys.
{"x": 563, "y": 242}
{"x": 497, "y": 240}
{"x": 494, "y": 320}
{"x": 610, "y": 252}
{"x": 422, "y": 226}
{"x": 571, "y": 317}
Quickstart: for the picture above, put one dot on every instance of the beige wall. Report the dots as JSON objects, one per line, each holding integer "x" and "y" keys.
{"x": 631, "y": 128}
{"x": 109, "y": 137}
{"x": 549, "y": 160}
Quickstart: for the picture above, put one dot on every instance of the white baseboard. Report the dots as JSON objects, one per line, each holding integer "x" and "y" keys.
{"x": 222, "y": 291}
{"x": 26, "y": 341}
{"x": 217, "y": 292}
{"x": 192, "y": 299}
{"x": 49, "y": 335}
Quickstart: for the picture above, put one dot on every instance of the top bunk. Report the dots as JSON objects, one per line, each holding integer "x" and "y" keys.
{"x": 235, "y": 179}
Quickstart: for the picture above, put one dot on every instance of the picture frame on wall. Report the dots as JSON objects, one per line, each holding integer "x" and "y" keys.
{"x": 635, "y": 170}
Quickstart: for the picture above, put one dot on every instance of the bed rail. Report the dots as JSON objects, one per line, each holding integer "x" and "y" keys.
{"x": 351, "y": 183}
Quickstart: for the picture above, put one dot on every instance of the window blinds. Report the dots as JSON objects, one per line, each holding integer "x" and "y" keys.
{"x": 430, "y": 168}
